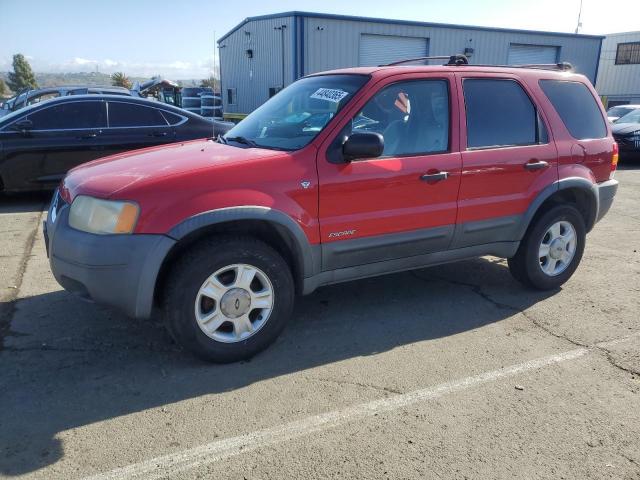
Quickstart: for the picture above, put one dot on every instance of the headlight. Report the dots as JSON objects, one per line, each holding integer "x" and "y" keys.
{"x": 95, "y": 215}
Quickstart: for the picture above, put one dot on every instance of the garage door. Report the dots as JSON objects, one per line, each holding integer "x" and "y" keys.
{"x": 380, "y": 49}
{"x": 520, "y": 54}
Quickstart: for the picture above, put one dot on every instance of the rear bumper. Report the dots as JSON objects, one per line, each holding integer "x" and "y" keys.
{"x": 606, "y": 192}
{"x": 115, "y": 270}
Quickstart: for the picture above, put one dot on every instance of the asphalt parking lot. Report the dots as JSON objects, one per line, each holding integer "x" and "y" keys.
{"x": 450, "y": 372}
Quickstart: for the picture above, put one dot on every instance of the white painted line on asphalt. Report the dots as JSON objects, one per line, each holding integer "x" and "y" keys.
{"x": 167, "y": 465}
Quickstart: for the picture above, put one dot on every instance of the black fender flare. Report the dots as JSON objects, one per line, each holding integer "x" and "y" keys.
{"x": 307, "y": 256}
{"x": 583, "y": 184}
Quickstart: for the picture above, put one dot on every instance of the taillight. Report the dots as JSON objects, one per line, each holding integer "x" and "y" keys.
{"x": 614, "y": 159}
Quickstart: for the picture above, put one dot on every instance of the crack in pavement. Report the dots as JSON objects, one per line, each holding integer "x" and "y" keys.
{"x": 8, "y": 307}
{"x": 357, "y": 384}
{"x": 477, "y": 289}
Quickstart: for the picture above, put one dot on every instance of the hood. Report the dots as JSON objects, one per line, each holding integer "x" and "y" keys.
{"x": 624, "y": 128}
{"x": 107, "y": 176}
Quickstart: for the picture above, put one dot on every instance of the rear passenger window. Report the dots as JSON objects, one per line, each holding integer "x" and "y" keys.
{"x": 131, "y": 115}
{"x": 577, "y": 108}
{"x": 500, "y": 113}
{"x": 172, "y": 118}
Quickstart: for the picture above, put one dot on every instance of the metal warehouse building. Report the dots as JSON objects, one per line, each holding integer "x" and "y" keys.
{"x": 619, "y": 72}
{"x": 263, "y": 54}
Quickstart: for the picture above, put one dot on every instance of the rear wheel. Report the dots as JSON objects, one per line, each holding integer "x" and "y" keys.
{"x": 228, "y": 298}
{"x": 551, "y": 250}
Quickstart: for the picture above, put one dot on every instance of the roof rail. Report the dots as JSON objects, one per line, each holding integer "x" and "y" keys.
{"x": 461, "y": 60}
{"x": 562, "y": 66}
{"x": 451, "y": 60}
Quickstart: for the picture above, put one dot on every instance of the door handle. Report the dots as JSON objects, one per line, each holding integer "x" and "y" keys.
{"x": 88, "y": 136}
{"x": 434, "y": 177}
{"x": 158, "y": 134}
{"x": 536, "y": 165}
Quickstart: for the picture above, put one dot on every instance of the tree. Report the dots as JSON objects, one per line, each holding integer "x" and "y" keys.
{"x": 22, "y": 76}
{"x": 211, "y": 82}
{"x": 119, "y": 79}
{"x": 3, "y": 88}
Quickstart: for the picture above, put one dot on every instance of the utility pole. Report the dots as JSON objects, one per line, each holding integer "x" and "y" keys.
{"x": 213, "y": 68}
{"x": 579, "y": 25}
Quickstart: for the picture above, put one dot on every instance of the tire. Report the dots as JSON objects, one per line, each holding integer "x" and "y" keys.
{"x": 194, "y": 292}
{"x": 547, "y": 272}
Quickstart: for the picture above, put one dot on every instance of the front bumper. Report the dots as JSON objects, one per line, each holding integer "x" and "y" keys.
{"x": 115, "y": 270}
{"x": 606, "y": 192}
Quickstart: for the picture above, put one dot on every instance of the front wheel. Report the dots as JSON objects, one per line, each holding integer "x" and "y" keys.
{"x": 228, "y": 298}
{"x": 551, "y": 250}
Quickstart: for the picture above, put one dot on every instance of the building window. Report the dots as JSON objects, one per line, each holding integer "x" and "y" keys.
{"x": 273, "y": 91}
{"x": 628, "y": 53}
{"x": 231, "y": 96}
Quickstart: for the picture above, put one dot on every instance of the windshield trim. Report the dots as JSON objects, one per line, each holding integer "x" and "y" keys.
{"x": 354, "y": 95}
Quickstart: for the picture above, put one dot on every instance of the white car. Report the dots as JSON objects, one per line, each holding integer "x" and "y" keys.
{"x": 614, "y": 113}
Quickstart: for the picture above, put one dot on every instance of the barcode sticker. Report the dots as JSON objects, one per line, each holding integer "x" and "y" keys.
{"x": 329, "y": 94}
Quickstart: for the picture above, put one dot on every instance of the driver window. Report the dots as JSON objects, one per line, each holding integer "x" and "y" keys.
{"x": 413, "y": 117}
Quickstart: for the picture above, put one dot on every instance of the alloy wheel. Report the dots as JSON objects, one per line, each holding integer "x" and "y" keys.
{"x": 557, "y": 248}
{"x": 234, "y": 303}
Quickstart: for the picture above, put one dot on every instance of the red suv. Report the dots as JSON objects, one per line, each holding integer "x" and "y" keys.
{"x": 343, "y": 175}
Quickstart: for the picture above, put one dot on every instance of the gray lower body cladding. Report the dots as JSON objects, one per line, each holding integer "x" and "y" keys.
{"x": 121, "y": 270}
{"x": 115, "y": 270}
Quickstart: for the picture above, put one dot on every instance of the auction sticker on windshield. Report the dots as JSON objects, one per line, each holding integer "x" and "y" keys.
{"x": 329, "y": 94}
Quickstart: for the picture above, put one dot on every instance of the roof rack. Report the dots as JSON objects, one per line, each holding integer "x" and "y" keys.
{"x": 451, "y": 60}
{"x": 462, "y": 60}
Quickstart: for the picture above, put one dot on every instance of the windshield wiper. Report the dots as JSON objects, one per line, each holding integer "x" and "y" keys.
{"x": 243, "y": 140}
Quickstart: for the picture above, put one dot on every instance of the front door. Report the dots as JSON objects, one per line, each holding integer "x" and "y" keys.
{"x": 60, "y": 137}
{"x": 402, "y": 203}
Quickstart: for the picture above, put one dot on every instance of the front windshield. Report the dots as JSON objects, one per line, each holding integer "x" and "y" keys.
{"x": 292, "y": 118}
{"x": 633, "y": 117}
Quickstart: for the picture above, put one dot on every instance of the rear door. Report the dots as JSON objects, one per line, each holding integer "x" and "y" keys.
{"x": 133, "y": 126}
{"x": 508, "y": 157}
{"x": 402, "y": 203}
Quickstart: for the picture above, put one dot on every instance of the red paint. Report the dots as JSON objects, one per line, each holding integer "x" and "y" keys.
{"x": 372, "y": 197}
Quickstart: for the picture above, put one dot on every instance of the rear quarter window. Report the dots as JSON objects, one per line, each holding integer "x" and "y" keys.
{"x": 577, "y": 108}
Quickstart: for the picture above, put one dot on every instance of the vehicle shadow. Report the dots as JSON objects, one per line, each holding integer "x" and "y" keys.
{"x": 67, "y": 363}
{"x": 24, "y": 202}
{"x": 629, "y": 161}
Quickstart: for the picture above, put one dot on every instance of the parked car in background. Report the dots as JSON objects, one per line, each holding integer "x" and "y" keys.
{"x": 41, "y": 142}
{"x": 614, "y": 113}
{"x": 29, "y": 97}
{"x": 626, "y": 131}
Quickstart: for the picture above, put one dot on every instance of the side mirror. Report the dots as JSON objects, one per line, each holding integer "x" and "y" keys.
{"x": 363, "y": 145}
{"x": 23, "y": 125}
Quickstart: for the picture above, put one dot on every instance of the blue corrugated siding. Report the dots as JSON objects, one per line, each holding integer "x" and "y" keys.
{"x": 329, "y": 42}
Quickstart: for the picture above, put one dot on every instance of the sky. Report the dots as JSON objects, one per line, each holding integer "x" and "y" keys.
{"x": 176, "y": 39}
